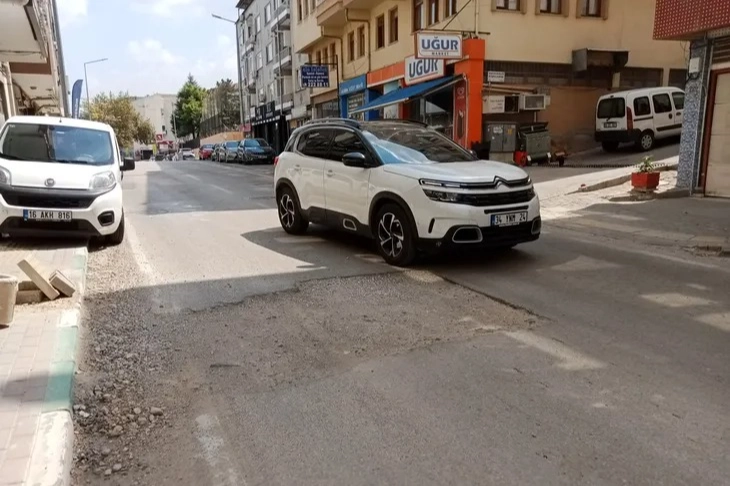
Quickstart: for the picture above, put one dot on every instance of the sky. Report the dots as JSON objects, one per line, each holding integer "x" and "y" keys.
{"x": 151, "y": 45}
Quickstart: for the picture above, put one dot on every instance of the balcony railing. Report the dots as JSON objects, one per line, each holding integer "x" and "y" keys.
{"x": 282, "y": 18}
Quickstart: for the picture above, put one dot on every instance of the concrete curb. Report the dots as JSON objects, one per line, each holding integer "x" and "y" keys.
{"x": 52, "y": 455}
{"x": 617, "y": 181}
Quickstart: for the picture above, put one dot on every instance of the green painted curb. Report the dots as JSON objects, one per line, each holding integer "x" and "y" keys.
{"x": 61, "y": 376}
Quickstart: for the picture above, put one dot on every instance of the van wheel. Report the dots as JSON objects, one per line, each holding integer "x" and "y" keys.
{"x": 609, "y": 146}
{"x": 117, "y": 237}
{"x": 646, "y": 142}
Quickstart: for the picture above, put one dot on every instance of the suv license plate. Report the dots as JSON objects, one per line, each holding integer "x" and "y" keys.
{"x": 509, "y": 219}
{"x": 610, "y": 125}
{"x": 38, "y": 215}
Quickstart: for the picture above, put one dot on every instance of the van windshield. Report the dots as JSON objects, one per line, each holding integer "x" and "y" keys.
{"x": 56, "y": 143}
{"x": 611, "y": 108}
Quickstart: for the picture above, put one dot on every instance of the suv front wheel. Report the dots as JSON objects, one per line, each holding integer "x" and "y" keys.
{"x": 290, "y": 214}
{"x": 394, "y": 236}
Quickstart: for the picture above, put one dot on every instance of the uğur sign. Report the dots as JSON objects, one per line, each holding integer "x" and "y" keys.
{"x": 419, "y": 70}
{"x": 430, "y": 45}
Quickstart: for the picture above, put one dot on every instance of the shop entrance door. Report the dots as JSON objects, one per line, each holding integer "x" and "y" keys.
{"x": 718, "y": 155}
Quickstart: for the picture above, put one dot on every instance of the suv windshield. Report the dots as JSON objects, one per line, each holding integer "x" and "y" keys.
{"x": 56, "y": 143}
{"x": 255, "y": 142}
{"x": 231, "y": 145}
{"x": 414, "y": 145}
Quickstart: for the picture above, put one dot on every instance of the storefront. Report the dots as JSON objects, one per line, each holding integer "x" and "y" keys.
{"x": 353, "y": 95}
{"x": 270, "y": 124}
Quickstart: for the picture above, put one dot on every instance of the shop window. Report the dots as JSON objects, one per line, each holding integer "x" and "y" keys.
{"x": 508, "y": 5}
{"x": 678, "y": 78}
{"x": 380, "y": 32}
{"x": 315, "y": 143}
{"x": 361, "y": 41}
{"x": 343, "y": 143}
{"x": 662, "y": 104}
{"x": 642, "y": 107}
{"x": 551, "y": 6}
{"x": 350, "y": 46}
{"x": 449, "y": 8}
{"x": 591, "y": 8}
{"x": 393, "y": 25}
{"x": 678, "y": 99}
{"x": 433, "y": 12}
{"x": 419, "y": 15}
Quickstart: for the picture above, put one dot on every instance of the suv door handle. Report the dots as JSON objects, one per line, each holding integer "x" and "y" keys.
{"x": 297, "y": 167}
{"x": 330, "y": 173}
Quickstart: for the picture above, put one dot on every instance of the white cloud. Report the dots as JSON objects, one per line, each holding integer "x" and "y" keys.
{"x": 70, "y": 11}
{"x": 224, "y": 40}
{"x": 151, "y": 51}
{"x": 170, "y": 8}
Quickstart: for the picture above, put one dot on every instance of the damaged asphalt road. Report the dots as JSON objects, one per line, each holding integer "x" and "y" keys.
{"x": 219, "y": 351}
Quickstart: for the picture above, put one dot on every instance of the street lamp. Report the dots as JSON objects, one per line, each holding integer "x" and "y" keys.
{"x": 86, "y": 81}
{"x": 238, "y": 65}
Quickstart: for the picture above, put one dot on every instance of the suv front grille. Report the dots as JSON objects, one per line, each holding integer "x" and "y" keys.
{"x": 498, "y": 198}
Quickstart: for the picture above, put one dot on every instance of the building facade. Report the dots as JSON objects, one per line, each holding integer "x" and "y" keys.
{"x": 158, "y": 109}
{"x": 267, "y": 64}
{"x": 704, "y": 152}
{"x": 32, "y": 74}
{"x": 541, "y": 60}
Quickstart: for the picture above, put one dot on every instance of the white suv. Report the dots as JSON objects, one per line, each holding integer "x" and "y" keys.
{"x": 61, "y": 176}
{"x": 405, "y": 185}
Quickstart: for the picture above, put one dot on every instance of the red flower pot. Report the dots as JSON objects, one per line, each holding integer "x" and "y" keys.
{"x": 645, "y": 180}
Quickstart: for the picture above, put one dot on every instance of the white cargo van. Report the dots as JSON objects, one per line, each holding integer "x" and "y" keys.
{"x": 639, "y": 116}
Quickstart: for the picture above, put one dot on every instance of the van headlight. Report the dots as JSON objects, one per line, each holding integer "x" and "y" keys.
{"x": 4, "y": 176}
{"x": 103, "y": 180}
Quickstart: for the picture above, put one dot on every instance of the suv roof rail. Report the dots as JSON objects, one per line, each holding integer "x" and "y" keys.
{"x": 343, "y": 121}
{"x": 400, "y": 120}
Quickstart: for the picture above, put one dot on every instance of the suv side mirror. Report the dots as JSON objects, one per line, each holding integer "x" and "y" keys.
{"x": 474, "y": 153}
{"x": 128, "y": 164}
{"x": 355, "y": 159}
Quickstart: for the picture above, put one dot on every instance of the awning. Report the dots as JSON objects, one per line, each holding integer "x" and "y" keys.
{"x": 404, "y": 94}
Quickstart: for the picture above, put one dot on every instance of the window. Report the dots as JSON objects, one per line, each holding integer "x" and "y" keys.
{"x": 380, "y": 32}
{"x": 551, "y": 6}
{"x": 678, "y": 100}
{"x": 642, "y": 106}
{"x": 267, "y": 13}
{"x": 315, "y": 143}
{"x": 49, "y": 143}
{"x": 351, "y": 46}
{"x": 360, "y": 41}
{"x": 299, "y": 10}
{"x": 419, "y": 15}
{"x": 433, "y": 12}
{"x": 393, "y": 25}
{"x": 269, "y": 52}
{"x": 450, "y": 8}
{"x": 259, "y": 60}
{"x": 272, "y": 91}
{"x": 258, "y": 24}
{"x": 508, "y": 4}
{"x": 611, "y": 108}
{"x": 319, "y": 57}
{"x": 255, "y": 142}
{"x": 591, "y": 8}
{"x": 344, "y": 142}
{"x": 662, "y": 103}
{"x": 333, "y": 54}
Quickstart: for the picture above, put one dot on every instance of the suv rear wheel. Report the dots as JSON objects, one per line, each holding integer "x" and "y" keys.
{"x": 394, "y": 236}
{"x": 290, "y": 214}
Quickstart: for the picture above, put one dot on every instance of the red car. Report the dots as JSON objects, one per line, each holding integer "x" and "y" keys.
{"x": 206, "y": 151}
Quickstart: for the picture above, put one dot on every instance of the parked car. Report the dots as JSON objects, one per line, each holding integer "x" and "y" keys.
{"x": 639, "y": 116}
{"x": 187, "y": 154}
{"x": 214, "y": 152}
{"x": 403, "y": 184}
{"x": 255, "y": 150}
{"x": 61, "y": 176}
{"x": 206, "y": 151}
{"x": 228, "y": 151}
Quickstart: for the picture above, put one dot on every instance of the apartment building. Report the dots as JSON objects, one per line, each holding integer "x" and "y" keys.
{"x": 704, "y": 151}
{"x": 267, "y": 63}
{"x": 32, "y": 75}
{"x": 521, "y": 60}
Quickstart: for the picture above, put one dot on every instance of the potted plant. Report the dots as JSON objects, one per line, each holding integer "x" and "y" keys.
{"x": 646, "y": 177}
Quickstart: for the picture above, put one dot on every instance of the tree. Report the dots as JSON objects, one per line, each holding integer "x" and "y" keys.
{"x": 227, "y": 103}
{"x": 118, "y": 111}
{"x": 188, "y": 109}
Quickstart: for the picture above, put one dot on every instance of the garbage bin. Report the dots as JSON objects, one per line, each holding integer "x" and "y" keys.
{"x": 8, "y": 294}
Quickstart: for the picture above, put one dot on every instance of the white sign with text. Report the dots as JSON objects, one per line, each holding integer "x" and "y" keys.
{"x": 431, "y": 45}
{"x": 419, "y": 70}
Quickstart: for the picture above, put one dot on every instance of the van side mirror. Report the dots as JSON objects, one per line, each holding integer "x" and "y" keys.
{"x": 128, "y": 164}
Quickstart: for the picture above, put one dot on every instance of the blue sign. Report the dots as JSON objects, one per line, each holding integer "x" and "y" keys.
{"x": 353, "y": 85}
{"x": 76, "y": 98}
{"x": 314, "y": 76}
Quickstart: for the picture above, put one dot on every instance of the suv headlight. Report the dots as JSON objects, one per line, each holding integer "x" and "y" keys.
{"x": 4, "y": 176}
{"x": 442, "y": 196}
{"x": 103, "y": 180}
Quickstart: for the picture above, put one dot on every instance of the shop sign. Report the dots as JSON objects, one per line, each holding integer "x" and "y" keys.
{"x": 353, "y": 85}
{"x": 495, "y": 77}
{"x": 419, "y": 70}
{"x": 267, "y": 111}
{"x": 494, "y": 104}
{"x": 314, "y": 76}
{"x": 431, "y": 45}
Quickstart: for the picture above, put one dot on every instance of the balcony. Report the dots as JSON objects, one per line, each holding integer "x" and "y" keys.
{"x": 285, "y": 101}
{"x": 331, "y": 13}
{"x": 282, "y": 18}
{"x": 362, "y": 4}
{"x": 250, "y": 82}
{"x": 283, "y": 65}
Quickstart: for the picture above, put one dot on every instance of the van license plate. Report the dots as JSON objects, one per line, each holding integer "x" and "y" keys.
{"x": 610, "y": 125}
{"x": 38, "y": 215}
{"x": 509, "y": 219}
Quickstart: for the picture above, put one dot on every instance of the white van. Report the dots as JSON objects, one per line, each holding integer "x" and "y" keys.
{"x": 639, "y": 116}
{"x": 61, "y": 176}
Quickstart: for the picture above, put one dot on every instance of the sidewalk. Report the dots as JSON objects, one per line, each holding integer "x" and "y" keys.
{"x": 700, "y": 224}
{"x": 36, "y": 374}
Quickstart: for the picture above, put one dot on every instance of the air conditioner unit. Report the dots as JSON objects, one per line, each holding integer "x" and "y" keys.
{"x": 533, "y": 102}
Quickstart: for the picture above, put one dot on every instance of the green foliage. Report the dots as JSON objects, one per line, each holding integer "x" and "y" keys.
{"x": 188, "y": 109}
{"x": 646, "y": 164}
{"x": 118, "y": 111}
{"x": 226, "y": 98}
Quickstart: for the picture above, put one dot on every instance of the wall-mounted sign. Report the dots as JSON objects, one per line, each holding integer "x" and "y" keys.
{"x": 419, "y": 70}
{"x": 353, "y": 85}
{"x": 314, "y": 76}
{"x": 495, "y": 77}
{"x": 494, "y": 104}
{"x": 431, "y": 45}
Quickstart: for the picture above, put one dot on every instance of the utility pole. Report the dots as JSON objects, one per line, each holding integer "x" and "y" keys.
{"x": 238, "y": 62}
{"x": 86, "y": 79}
